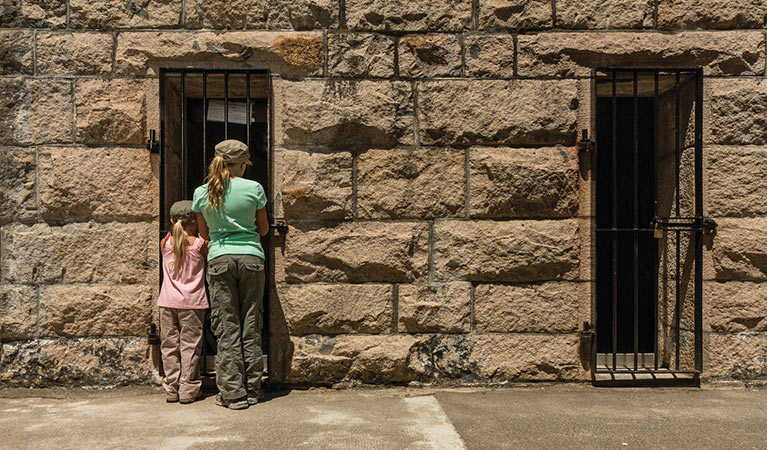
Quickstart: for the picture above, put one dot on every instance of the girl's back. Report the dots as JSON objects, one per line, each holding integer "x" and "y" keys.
{"x": 183, "y": 288}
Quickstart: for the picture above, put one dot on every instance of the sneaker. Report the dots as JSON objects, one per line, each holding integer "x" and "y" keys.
{"x": 233, "y": 404}
{"x": 171, "y": 398}
{"x": 186, "y": 401}
{"x": 253, "y": 396}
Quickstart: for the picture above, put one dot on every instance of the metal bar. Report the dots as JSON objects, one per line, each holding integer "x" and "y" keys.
{"x": 161, "y": 163}
{"x": 636, "y": 219}
{"x": 184, "y": 173}
{"x": 699, "y": 213}
{"x": 677, "y": 135}
{"x": 226, "y": 105}
{"x": 204, "y": 123}
{"x": 595, "y": 206}
{"x": 615, "y": 220}
{"x": 656, "y": 119}
{"x": 192, "y": 70}
{"x": 247, "y": 117}
{"x": 650, "y": 371}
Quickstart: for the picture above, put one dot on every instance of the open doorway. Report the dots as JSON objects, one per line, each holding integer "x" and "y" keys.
{"x": 198, "y": 109}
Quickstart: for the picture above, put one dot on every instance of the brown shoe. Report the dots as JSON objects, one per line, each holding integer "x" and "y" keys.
{"x": 186, "y": 401}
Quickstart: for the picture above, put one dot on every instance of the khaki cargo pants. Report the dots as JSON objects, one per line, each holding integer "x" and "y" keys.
{"x": 181, "y": 345}
{"x": 236, "y": 305}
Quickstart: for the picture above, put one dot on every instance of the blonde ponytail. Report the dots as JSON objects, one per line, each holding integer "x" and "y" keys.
{"x": 180, "y": 243}
{"x": 218, "y": 178}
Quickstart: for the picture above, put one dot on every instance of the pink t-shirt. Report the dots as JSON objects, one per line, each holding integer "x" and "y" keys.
{"x": 184, "y": 289}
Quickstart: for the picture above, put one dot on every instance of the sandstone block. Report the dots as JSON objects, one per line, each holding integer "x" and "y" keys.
{"x": 313, "y": 185}
{"x": 737, "y": 181}
{"x": 336, "y": 308}
{"x": 553, "y": 307}
{"x": 605, "y": 14}
{"x": 490, "y": 55}
{"x": 515, "y": 251}
{"x": 514, "y": 14}
{"x": 18, "y": 312}
{"x": 34, "y": 13}
{"x": 354, "y": 252}
{"x": 98, "y": 310}
{"x": 740, "y": 250}
{"x": 74, "y": 53}
{"x": 706, "y": 14}
{"x": 125, "y": 187}
{"x": 736, "y": 306}
{"x": 110, "y": 111}
{"x": 402, "y": 15}
{"x": 569, "y": 54}
{"x": 436, "y": 55}
{"x": 35, "y": 111}
{"x": 739, "y": 356}
{"x": 75, "y": 362}
{"x": 262, "y": 14}
{"x": 287, "y": 54}
{"x": 507, "y": 182}
{"x": 16, "y": 49}
{"x": 527, "y": 357}
{"x": 360, "y": 55}
{"x": 343, "y": 114}
{"x": 17, "y": 184}
{"x": 411, "y": 183}
{"x": 80, "y": 253}
{"x": 443, "y": 308}
{"x": 737, "y": 112}
{"x": 519, "y": 112}
{"x": 114, "y": 14}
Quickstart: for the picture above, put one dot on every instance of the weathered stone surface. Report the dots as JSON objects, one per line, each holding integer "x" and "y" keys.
{"x": 553, "y": 307}
{"x": 336, "y": 308}
{"x": 605, "y": 14}
{"x": 313, "y": 185}
{"x": 403, "y": 15}
{"x": 490, "y": 55}
{"x": 74, "y": 53}
{"x": 511, "y": 182}
{"x": 287, "y": 54}
{"x": 737, "y": 112}
{"x": 18, "y": 312}
{"x": 739, "y": 356}
{"x": 514, "y": 14}
{"x": 125, "y": 187}
{"x": 261, "y": 14}
{"x": 524, "y": 250}
{"x": 430, "y": 55}
{"x": 569, "y": 54}
{"x": 737, "y": 181}
{"x": 112, "y": 14}
{"x": 442, "y": 308}
{"x": 360, "y": 55}
{"x": 98, "y": 310}
{"x": 411, "y": 183}
{"x": 343, "y": 114}
{"x": 518, "y": 112}
{"x": 674, "y": 14}
{"x": 17, "y": 184}
{"x": 110, "y": 111}
{"x": 33, "y": 13}
{"x": 16, "y": 49}
{"x": 75, "y": 362}
{"x": 740, "y": 250}
{"x": 35, "y": 111}
{"x": 734, "y": 306}
{"x": 354, "y": 252}
{"x": 527, "y": 357}
{"x": 80, "y": 253}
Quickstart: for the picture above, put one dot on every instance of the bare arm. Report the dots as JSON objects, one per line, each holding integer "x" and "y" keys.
{"x": 202, "y": 226}
{"x": 262, "y": 221}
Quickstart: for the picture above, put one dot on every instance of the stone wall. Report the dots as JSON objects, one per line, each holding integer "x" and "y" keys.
{"x": 440, "y": 217}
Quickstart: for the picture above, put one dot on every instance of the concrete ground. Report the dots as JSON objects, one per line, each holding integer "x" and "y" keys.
{"x": 556, "y": 416}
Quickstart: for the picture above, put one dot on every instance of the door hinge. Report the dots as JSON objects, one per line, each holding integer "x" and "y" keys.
{"x": 153, "y": 145}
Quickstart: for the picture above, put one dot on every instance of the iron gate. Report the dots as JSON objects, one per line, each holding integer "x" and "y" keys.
{"x": 649, "y": 224}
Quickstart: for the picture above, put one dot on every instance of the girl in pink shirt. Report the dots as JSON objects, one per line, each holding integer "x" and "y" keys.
{"x": 182, "y": 304}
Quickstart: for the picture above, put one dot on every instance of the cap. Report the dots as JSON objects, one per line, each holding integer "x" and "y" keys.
{"x": 233, "y": 151}
{"x": 182, "y": 210}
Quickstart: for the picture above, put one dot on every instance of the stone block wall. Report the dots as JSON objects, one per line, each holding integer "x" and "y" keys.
{"x": 440, "y": 216}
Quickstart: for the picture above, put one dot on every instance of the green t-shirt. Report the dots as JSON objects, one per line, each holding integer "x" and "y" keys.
{"x": 233, "y": 227}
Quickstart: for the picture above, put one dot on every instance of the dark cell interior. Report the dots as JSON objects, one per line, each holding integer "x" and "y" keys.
{"x": 616, "y": 183}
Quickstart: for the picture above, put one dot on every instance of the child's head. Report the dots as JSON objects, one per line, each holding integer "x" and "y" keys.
{"x": 184, "y": 222}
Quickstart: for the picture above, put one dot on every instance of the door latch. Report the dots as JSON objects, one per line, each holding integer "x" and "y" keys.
{"x": 704, "y": 224}
{"x": 280, "y": 226}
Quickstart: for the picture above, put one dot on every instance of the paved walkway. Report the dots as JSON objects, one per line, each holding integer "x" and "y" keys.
{"x": 560, "y": 416}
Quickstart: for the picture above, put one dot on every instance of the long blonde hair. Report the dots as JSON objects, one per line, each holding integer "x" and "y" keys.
{"x": 180, "y": 242}
{"x": 218, "y": 178}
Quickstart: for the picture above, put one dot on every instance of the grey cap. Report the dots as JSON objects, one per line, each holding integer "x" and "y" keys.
{"x": 233, "y": 151}
{"x": 182, "y": 210}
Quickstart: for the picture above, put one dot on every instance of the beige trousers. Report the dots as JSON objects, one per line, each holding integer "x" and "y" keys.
{"x": 180, "y": 345}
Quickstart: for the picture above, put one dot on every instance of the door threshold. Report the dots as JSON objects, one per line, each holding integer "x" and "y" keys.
{"x": 659, "y": 378}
